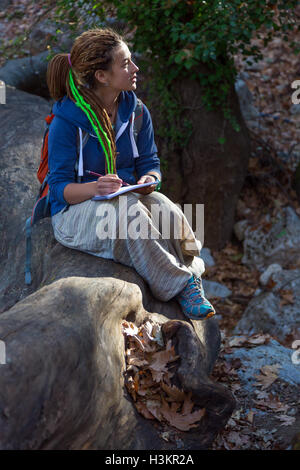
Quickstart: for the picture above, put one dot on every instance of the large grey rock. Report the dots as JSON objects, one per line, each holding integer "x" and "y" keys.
{"x": 265, "y": 313}
{"x": 239, "y": 229}
{"x": 254, "y": 358}
{"x": 281, "y": 244}
{"x": 27, "y": 74}
{"x": 265, "y": 276}
{"x": 215, "y": 289}
{"x": 246, "y": 100}
{"x": 22, "y": 130}
{"x": 207, "y": 257}
{"x": 62, "y": 386}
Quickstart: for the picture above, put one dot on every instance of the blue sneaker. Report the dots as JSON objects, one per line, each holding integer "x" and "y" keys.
{"x": 193, "y": 302}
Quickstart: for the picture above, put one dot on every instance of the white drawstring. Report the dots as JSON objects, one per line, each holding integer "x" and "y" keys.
{"x": 80, "y": 164}
{"x": 134, "y": 147}
{"x": 121, "y": 130}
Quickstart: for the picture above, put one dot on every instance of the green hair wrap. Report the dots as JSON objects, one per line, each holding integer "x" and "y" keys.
{"x": 86, "y": 108}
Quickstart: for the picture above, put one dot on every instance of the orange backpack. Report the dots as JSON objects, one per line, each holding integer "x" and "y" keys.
{"x": 43, "y": 168}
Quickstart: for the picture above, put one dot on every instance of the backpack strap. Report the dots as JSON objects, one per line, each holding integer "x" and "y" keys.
{"x": 138, "y": 118}
{"x": 28, "y": 251}
{"x": 135, "y": 126}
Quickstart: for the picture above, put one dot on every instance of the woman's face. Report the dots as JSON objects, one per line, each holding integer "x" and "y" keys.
{"x": 122, "y": 74}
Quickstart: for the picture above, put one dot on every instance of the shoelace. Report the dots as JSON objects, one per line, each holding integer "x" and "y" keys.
{"x": 199, "y": 284}
{"x": 193, "y": 290}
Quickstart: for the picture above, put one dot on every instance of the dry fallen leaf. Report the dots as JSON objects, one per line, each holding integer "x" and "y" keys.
{"x": 250, "y": 416}
{"x": 140, "y": 335}
{"x": 268, "y": 376}
{"x": 179, "y": 421}
{"x": 237, "y": 439}
{"x": 129, "y": 329}
{"x": 272, "y": 404}
{"x": 259, "y": 339}
{"x": 148, "y": 378}
{"x": 160, "y": 359}
{"x": 287, "y": 420}
{"x": 136, "y": 361}
{"x": 237, "y": 341}
{"x": 174, "y": 393}
{"x": 187, "y": 404}
{"x": 287, "y": 297}
{"x": 146, "y": 333}
{"x": 154, "y": 406}
{"x": 142, "y": 408}
{"x": 261, "y": 395}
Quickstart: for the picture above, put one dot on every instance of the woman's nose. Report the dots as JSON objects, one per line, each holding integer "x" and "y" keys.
{"x": 135, "y": 67}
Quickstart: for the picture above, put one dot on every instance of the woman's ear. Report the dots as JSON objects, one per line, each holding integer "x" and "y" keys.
{"x": 100, "y": 76}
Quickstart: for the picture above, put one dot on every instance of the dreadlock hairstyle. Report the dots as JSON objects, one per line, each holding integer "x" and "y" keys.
{"x": 91, "y": 51}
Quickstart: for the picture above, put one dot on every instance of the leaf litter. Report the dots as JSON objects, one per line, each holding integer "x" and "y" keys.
{"x": 148, "y": 377}
{"x": 260, "y": 414}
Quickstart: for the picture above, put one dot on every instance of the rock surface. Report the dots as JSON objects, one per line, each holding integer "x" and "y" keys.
{"x": 273, "y": 353}
{"x": 207, "y": 257}
{"x": 280, "y": 244}
{"x": 246, "y": 100}
{"x": 276, "y": 311}
{"x": 265, "y": 276}
{"x": 215, "y": 289}
{"x": 22, "y": 123}
{"x": 62, "y": 386}
{"x": 27, "y": 74}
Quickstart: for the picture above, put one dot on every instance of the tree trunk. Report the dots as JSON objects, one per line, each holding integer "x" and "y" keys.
{"x": 206, "y": 172}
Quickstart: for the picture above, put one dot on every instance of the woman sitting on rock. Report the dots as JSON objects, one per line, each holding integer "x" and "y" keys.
{"x": 93, "y": 87}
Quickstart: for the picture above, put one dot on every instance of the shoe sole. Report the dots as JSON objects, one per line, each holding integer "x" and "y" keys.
{"x": 194, "y": 317}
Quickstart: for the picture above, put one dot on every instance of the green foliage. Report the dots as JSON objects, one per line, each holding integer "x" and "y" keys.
{"x": 190, "y": 39}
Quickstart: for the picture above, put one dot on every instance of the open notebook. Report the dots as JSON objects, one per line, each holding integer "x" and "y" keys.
{"x": 123, "y": 190}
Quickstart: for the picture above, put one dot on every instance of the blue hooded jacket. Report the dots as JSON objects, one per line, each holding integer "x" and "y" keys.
{"x": 133, "y": 161}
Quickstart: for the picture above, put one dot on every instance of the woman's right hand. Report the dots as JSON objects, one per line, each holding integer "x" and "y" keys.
{"x": 108, "y": 184}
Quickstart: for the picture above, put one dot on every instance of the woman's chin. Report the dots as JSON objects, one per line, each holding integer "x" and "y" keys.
{"x": 130, "y": 87}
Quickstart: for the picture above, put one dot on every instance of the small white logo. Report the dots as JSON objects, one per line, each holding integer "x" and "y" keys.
{"x": 2, "y": 92}
{"x": 296, "y": 94}
{"x": 296, "y": 354}
{"x": 2, "y": 353}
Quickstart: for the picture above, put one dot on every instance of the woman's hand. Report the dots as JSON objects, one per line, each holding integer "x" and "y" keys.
{"x": 108, "y": 184}
{"x": 147, "y": 189}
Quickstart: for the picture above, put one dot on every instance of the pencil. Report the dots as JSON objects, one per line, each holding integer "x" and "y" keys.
{"x": 98, "y": 174}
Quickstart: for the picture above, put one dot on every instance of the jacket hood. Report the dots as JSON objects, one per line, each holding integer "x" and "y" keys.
{"x": 68, "y": 110}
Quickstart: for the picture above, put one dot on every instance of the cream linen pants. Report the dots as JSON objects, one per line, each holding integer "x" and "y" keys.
{"x": 146, "y": 232}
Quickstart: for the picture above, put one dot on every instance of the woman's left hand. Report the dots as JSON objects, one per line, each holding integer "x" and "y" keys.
{"x": 147, "y": 189}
